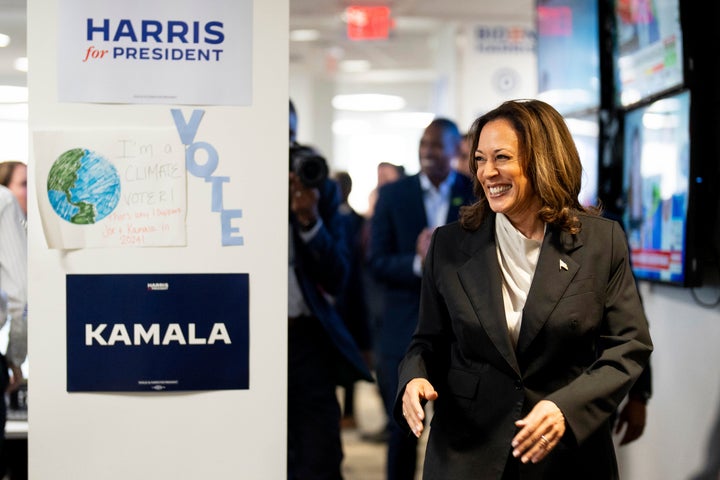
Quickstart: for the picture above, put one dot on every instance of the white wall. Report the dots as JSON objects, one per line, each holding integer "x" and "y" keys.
{"x": 488, "y": 73}
{"x": 182, "y": 435}
{"x": 686, "y": 385}
{"x": 13, "y": 125}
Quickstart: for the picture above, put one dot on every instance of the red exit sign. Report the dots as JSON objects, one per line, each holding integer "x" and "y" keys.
{"x": 368, "y": 23}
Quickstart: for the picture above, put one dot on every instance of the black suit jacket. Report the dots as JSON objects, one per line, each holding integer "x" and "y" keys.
{"x": 322, "y": 267}
{"x": 583, "y": 342}
{"x": 398, "y": 219}
{"x": 351, "y": 303}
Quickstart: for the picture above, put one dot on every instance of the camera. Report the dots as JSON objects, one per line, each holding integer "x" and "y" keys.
{"x": 310, "y": 167}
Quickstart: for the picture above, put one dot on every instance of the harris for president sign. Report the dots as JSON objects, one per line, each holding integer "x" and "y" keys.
{"x": 182, "y": 52}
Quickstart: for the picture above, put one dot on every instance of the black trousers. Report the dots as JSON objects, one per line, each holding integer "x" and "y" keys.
{"x": 402, "y": 453}
{"x": 314, "y": 444}
{"x": 4, "y": 381}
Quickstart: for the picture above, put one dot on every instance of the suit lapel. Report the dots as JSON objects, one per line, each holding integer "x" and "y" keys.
{"x": 554, "y": 272}
{"x": 413, "y": 207}
{"x": 485, "y": 290}
{"x": 457, "y": 199}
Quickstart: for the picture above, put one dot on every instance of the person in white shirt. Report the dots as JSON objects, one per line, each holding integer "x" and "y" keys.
{"x": 13, "y": 283}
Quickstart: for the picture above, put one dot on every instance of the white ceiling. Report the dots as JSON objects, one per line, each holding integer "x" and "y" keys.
{"x": 407, "y": 51}
{"x": 12, "y": 23}
{"x": 410, "y": 48}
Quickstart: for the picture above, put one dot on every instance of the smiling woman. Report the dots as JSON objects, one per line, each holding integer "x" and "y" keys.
{"x": 549, "y": 274}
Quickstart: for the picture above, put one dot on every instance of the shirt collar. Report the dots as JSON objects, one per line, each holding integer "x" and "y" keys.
{"x": 444, "y": 187}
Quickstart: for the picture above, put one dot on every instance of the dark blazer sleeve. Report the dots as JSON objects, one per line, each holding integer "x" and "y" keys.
{"x": 427, "y": 356}
{"x": 623, "y": 342}
{"x": 642, "y": 389}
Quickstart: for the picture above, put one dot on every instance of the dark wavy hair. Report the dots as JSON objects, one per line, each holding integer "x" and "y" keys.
{"x": 6, "y": 171}
{"x": 548, "y": 157}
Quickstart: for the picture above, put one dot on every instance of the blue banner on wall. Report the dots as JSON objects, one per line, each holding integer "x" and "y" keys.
{"x": 157, "y": 332}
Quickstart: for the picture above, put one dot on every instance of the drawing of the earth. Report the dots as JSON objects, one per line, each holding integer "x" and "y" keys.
{"x": 83, "y": 187}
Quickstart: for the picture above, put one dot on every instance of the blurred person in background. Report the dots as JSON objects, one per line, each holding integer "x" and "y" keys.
{"x": 387, "y": 172}
{"x": 406, "y": 213}
{"x": 13, "y": 293}
{"x": 322, "y": 353}
{"x": 351, "y": 302}
{"x": 13, "y": 175}
{"x": 462, "y": 161}
{"x": 13, "y": 457}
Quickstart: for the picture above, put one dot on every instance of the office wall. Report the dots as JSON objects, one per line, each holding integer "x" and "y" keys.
{"x": 497, "y": 62}
{"x": 686, "y": 386}
{"x": 206, "y": 434}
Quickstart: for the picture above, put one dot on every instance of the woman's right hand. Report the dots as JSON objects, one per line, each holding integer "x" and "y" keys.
{"x": 417, "y": 390}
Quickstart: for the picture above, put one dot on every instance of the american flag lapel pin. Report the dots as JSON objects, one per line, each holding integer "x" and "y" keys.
{"x": 563, "y": 265}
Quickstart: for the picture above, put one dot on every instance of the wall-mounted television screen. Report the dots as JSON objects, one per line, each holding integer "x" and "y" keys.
{"x": 584, "y": 130}
{"x": 656, "y": 181}
{"x": 648, "y": 49}
{"x": 568, "y": 54}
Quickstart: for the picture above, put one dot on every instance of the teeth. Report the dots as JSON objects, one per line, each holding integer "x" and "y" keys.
{"x": 498, "y": 190}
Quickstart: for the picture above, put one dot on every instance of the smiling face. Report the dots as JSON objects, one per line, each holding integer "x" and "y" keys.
{"x": 507, "y": 188}
{"x": 438, "y": 147}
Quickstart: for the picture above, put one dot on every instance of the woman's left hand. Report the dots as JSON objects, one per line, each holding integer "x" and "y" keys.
{"x": 540, "y": 431}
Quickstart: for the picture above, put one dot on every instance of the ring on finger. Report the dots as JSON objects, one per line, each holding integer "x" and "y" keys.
{"x": 545, "y": 442}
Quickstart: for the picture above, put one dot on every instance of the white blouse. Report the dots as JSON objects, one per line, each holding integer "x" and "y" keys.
{"x": 517, "y": 256}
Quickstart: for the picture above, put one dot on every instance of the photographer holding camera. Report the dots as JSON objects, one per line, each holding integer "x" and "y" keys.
{"x": 321, "y": 352}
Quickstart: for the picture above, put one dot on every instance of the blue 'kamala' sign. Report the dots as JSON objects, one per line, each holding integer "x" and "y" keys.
{"x": 144, "y": 332}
